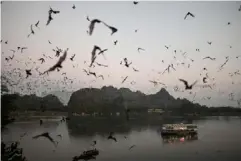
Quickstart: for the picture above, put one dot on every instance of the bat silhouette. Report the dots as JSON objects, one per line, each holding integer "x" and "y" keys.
{"x": 135, "y": 70}
{"x": 93, "y": 54}
{"x": 101, "y": 65}
{"x": 204, "y": 80}
{"x": 32, "y": 31}
{"x": 73, "y": 7}
{"x": 209, "y": 42}
{"x": 112, "y": 137}
{"x": 36, "y": 25}
{"x": 59, "y": 63}
{"x": 101, "y": 76}
{"x": 28, "y": 72}
{"x": 189, "y": 14}
{"x": 42, "y": 60}
{"x": 23, "y": 49}
{"x": 113, "y": 29}
{"x": 132, "y": 147}
{"x": 140, "y": 49}
{"x": 92, "y": 73}
{"x": 208, "y": 57}
{"x": 46, "y": 135}
{"x": 92, "y": 25}
{"x": 72, "y": 58}
{"x": 124, "y": 79}
{"x": 187, "y": 86}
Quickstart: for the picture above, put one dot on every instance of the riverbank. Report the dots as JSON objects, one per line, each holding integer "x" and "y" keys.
{"x": 36, "y": 115}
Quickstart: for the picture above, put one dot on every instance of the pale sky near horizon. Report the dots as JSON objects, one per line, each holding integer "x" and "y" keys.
{"x": 158, "y": 23}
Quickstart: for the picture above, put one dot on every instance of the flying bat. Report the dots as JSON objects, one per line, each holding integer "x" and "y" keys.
{"x": 209, "y": 42}
{"x": 46, "y": 135}
{"x": 189, "y": 14}
{"x": 204, "y": 80}
{"x": 113, "y": 29}
{"x": 132, "y": 147}
{"x": 92, "y": 25}
{"x": 135, "y": 70}
{"x": 72, "y": 58}
{"x": 28, "y": 72}
{"x": 73, "y": 7}
{"x": 93, "y": 54}
{"x": 187, "y": 86}
{"x": 32, "y": 31}
{"x": 112, "y": 137}
{"x": 59, "y": 63}
{"x": 42, "y": 60}
{"x": 124, "y": 79}
{"x": 36, "y": 25}
{"x": 140, "y": 49}
{"x": 208, "y": 57}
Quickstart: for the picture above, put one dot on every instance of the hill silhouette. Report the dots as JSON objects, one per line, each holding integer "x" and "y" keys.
{"x": 109, "y": 99}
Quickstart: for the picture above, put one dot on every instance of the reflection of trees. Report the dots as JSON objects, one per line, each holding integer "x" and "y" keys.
{"x": 90, "y": 126}
{"x": 9, "y": 152}
{"x": 7, "y": 106}
{"x": 78, "y": 126}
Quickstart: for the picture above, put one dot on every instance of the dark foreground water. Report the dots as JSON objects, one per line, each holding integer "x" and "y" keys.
{"x": 219, "y": 139}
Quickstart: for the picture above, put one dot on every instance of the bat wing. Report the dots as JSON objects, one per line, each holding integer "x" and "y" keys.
{"x": 185, "y": 82}
{"x": 204, "y": 80}
{"x": 50, "y": 139}
{"x": 51, "y": 69}
{"x": 125, "y": 79}
{"x": 37, "y": 136}
{"x": 102, "y": 51}
{"x": 49, "y": 20}
{"x": 131, "y": 147}
{"x": 91, "y": 27}
{"x": 206, "y": 57}
{"x": 194, "y": 83}
{"x": 191, "y": 14}
{"x": 113, "y": 29}
{"x": 37, "y": 24}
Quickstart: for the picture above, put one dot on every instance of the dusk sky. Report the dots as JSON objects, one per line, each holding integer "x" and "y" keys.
{"x": 158, "y": 23}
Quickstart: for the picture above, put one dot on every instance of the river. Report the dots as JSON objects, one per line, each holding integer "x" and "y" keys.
{"x": 219, "y": 139}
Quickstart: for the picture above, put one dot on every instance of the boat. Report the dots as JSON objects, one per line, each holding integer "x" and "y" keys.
{"x": 87, "y": 155}
{"x": 179, "y": 129}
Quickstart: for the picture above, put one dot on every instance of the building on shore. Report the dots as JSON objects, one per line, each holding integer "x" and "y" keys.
{"x": 155, "y": 110}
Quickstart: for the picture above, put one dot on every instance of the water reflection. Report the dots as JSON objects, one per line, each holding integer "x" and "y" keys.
{"x": 179, "y": 139}
{"x": 220, "y": 136}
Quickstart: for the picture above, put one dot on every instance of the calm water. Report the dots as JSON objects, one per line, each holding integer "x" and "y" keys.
{"x": 218, "y": 139}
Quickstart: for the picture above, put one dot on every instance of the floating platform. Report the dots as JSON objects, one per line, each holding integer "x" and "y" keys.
{"x": 179, "y": 129}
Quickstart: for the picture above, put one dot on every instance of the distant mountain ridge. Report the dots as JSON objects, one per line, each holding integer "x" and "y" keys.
{"x": 33, "y": 102}
{"x": 111, "y": 99}
{"x": 84, "y": 98}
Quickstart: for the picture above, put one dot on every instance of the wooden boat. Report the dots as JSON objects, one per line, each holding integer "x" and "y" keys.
{"x": 179, "y": 129}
